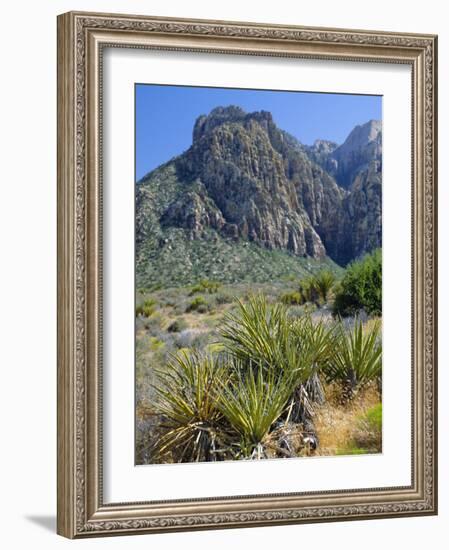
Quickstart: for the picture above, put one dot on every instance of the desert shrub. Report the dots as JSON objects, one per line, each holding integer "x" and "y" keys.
{"x": 323, "y": 282}
{"x": 202, "y": 340}
{"x": 146, "y": 308}
{"x": 372, "y": 419}
{"x": 152, "y": 323}
{"x": 156, "y": 344}
{"x": 260, "y": 334}
{"x": 316, "y": 344}
{"x": 252, "y": 401}
{"x": 361, "y": 287}
{"x": 292, "y": 298}
{"x": 186, "y": 338}
{"x": 308, "y": 290}
{"x": 187, "y": 392}
{"x": 357, "y": 357}
{"x": 206, "y": 286}
{"x": 193, "y": 338}
{"x": 223, "y": 298}
{"x": 316, "y": 340}
{"x": 178, "y": 325}
{"x": 199, "y": 304}
{"x": 366, "y": 436}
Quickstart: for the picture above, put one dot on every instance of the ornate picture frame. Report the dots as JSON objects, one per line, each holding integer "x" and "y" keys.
{"x": 82, "y": 39}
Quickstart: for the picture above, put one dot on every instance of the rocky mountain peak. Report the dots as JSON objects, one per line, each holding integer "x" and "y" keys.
{"x": 232, "y": 114}
{"x": 362, "y": 147}
{"x": 362, "y": 134}
{"x": 246, "y": 180}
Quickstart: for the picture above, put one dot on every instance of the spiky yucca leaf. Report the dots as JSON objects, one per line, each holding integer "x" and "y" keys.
{"x": 358, "y": 356}
{"x": 308, "y": 289}
{"x": 316, "y": 340}
{"x": 254, "y": 332}
{"x": 324, "y": 281}
{"x": 187, "y": 393}
{"x": 252, "y": 402}
{"x": 261, "y": 335}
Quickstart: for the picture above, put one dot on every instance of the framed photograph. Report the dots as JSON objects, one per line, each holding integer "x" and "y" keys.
{"x": 247, "y": 250}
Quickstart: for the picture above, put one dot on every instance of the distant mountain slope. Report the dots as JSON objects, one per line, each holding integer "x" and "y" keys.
{"x": 246, "y": 193}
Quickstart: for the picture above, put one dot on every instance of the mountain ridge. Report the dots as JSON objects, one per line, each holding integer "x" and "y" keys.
{"x": 244, "y": 180}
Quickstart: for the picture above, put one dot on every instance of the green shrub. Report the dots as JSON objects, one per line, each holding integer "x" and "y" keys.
{"x": 315, "y": 340}
{"x": 308, "y": 290}
{"x": 177, "y": 325}
{"x": 367, "y": 434}
{"x": 146, "y": 308}
{"x": 357, "y": 358}
{"x": 187, "y": 393}
{"x": 156, "y": 344}
{"x": 361, "y": 287}
{"x": 372, "y": 419}
{"x": 261, "y": 334}
{"x": 292, "y": 298}
{"x": 206, "y": 286}
{"x": 199, "y": 304}
{"x": 152, "y": 323}
{"x": 224, "y": 298}
{"x": 251, "y": 403}
{"x": 323, "y": 282}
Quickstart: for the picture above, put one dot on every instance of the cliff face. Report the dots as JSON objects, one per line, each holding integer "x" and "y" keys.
{"x": 362, "y": 148}
{"x": 356, "y": 165}
{"x": 245, "y": 180}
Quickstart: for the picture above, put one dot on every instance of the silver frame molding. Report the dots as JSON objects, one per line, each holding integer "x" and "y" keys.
{"x": 81, "y": 39}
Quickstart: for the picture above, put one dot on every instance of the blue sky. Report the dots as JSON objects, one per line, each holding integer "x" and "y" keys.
{"x": 165, "y": 116}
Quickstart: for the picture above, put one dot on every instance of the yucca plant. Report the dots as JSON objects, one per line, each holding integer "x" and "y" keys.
{"x": 316, "y": 341}
{"x": 252, "y": 402}
{"x": 187, "y": 393}
{"x": 308, "y": 289}
{"x": 260, "y": 335}
{"x": 358, "y": 357}
{"x": 324, "y": 281}
{"x": 263, "y": 336}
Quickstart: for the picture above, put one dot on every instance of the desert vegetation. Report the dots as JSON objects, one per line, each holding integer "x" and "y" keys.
{"x": 264, "y": 370}
{"x": 259, "y": 287}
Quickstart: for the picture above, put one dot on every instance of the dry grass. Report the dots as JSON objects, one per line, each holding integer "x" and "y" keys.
{"x": 370, "y": 324}
{"x": 339, "y": 427}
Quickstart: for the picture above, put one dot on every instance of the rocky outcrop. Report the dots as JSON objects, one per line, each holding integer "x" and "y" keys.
{"x": 344, "y": 162}
{"x": 193, "y": 210}
{"x": 361, "y": 148}
{"x": 247, "y": 180}
{"x": 239, "y": 160}
{"x": 364, "y": 211}
{"x": 321, "y": 153}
